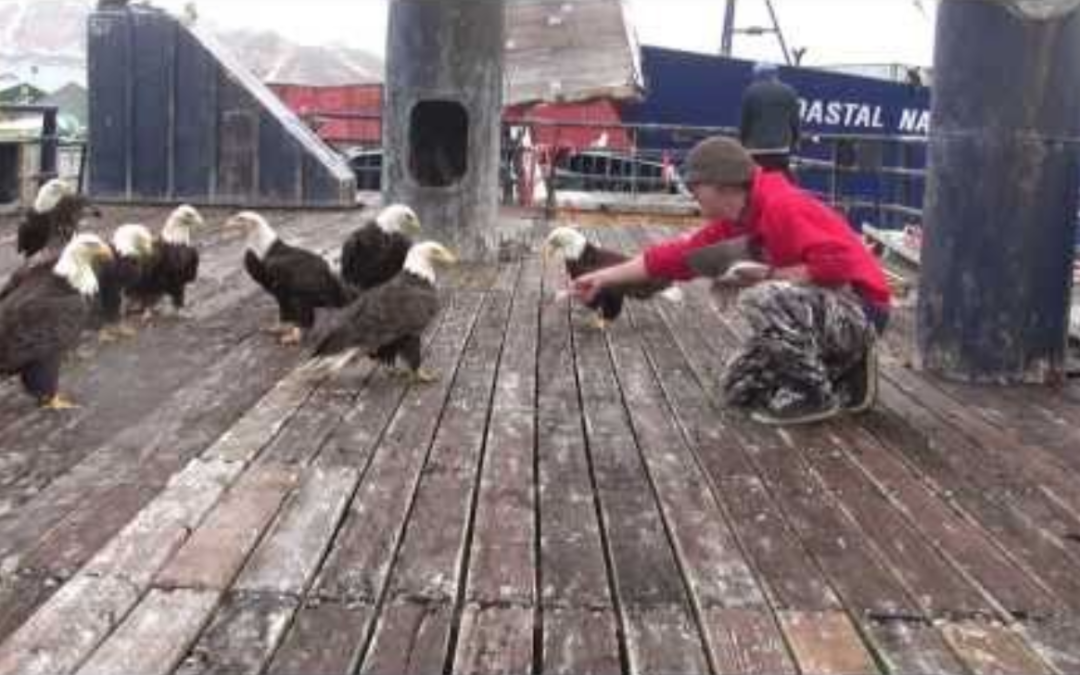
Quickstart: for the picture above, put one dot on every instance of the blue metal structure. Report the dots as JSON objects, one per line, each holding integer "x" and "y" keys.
{"x": 691, "y": 89}
{"x": 1002, "y": 191}
{"x": 173, "y": 117}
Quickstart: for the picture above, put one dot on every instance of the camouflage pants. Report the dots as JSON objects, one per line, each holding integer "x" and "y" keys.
{"x": 803, "y": 341}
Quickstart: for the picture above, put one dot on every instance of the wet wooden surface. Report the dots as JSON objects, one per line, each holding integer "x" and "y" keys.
{"x": 561, "y": 500}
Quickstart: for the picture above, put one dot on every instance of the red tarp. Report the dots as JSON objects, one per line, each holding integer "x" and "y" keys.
{"x": 359, "y": 99}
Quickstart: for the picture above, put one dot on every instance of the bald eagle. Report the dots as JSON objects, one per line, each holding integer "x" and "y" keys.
{"x": 130, "y": 246}
{"x": 172, "y": 264}
{"x": 53, "y": 219}
{"x": 133, "y": 248}
{"x": 582, "y": 257}
{"x": 299, "y": 280}
{"x": 42, "y": 316}
{"x": 387, "y": 321}
{"x": 375, "y": 253}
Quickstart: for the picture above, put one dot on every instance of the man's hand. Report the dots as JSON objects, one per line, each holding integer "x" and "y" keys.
{"x": 585, "y": 288}
{"x": 745, "y": 274}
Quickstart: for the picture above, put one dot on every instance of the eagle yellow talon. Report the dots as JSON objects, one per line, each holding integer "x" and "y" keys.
{"x": 108, "y": 335}
{"x": 58, "y": 403}
{"x": 600, "y": 323}
{"x": 422, "y": 376}
{"x": 126, "y": 330}
{"x": 291, "y": 337}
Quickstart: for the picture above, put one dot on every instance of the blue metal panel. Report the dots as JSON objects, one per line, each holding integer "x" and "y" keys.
{"x": 195, "y": 122}
{"x": 237, "y": 144}
{"x": 686, "y": 88}
{"x": 699, "y": 89}
{"x": 152, "y": 72}
{"x": 280, "y": 166}
{"x": 107, "y": 68}
{"x": 174, "y": 116}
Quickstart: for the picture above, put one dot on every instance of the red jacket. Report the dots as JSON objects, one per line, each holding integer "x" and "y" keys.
{"x": 792, "y": 228}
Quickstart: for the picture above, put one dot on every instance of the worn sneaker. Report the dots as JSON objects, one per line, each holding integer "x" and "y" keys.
{"x": 794, "y": 415}
{"x": 861, "y": 384}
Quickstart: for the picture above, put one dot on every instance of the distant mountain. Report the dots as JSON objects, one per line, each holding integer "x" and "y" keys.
{"x": 44, "y": 43}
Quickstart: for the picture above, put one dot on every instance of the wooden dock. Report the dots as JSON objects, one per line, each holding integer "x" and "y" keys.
{"x": 560, "y": 501}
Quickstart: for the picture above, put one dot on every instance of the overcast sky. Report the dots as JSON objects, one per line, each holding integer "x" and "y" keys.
{"x": 833, "y": 31}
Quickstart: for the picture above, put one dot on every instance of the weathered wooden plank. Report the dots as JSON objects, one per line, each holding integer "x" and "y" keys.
{"x": 435, "y": 539}
{"x": 828, "y": 533}
{"x": 286, "y": 560}
{"x": 156, "y": 635}
{"x": 242, "y": 637}
{"x": 745, "y": 641}
{"x": 911, "y": 648}
{"x": 989, "y": 649}
{"x": 1056, "y": 641}
{"x": 66, "y": 547}
{"x": 494, "y": 640}
{"x": 826, "y": 643}
{"x": 1006, "y": 469}
{"x": 147, "y": 542}
{"x": 360, "y": 560}
{"x": 957, "y": 536}
{"x": 790, "y": 578}
{"x": 502, "y": 565}
{"x": 325, "y": 638}
{"x": 214, "y": 553}
{"x": 412, "y": 637}
{"x": 573, "y": 572}
{"x": 20, "y": 596}
{"x": 69, "y": 626}
{"x": 1044, "y": 557}
{"x": 128, "y": 417}
{"x": 646, "y": 571}
{"x": 939, "y": 588}
{"x": 647, "y": 576}
{"x": 580, "y": 641}
{"x": 178, "y": 428}
{"x": 261, "y": 424}
{"x": 716, "y": 571}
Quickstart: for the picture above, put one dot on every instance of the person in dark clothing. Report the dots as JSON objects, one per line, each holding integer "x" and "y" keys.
{"x": 769, "y": 129}
{"x": 813, "y": 297}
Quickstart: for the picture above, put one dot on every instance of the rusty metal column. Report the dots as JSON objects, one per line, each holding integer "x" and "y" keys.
{"x": 1001, "y": 202}
{"x": 442, "y": 112}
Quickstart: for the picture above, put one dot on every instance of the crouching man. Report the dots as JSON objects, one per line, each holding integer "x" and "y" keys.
{"x": 815, "y": 304}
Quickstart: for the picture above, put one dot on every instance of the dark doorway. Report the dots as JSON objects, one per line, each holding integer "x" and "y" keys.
{"x": 9, "y": 173}
{"x": 438, "y": 143}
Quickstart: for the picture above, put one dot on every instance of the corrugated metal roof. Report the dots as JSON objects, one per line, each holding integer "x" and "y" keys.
{"x": 570, "y": 50}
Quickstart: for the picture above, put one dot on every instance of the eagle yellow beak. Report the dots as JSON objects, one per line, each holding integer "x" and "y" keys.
{"x": 546, "y": 250}
{"x": 446, "y": 256}
{"x": 102, "y": 252}
{"x": 412, "y": 227}
{"x": 235, "y": 224}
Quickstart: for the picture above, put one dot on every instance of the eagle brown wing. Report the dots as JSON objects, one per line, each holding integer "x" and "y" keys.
{"x": 40, "y": 320}
{"x": 402, "y": 307}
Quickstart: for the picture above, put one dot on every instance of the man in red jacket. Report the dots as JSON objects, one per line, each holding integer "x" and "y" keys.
{"x": 815, "y": 304}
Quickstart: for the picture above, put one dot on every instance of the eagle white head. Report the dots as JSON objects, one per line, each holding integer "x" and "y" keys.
{"x": 567, "y": 241}
{"x": 398, "y": 218}
{"x": 51, "y": 193}
{"x": 133, "y": 241}
{"x": 78, "y": 260}
{"x": 422, "y": 258}
{"x": 179, "y": 225}
{"x": 259, "y": 235}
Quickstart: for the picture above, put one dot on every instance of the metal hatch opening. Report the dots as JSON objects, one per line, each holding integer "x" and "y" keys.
{"x": 438, "y": 143}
